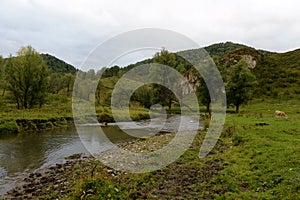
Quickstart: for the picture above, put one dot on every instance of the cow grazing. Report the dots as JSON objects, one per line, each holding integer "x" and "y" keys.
{"x": 279, "y": 113}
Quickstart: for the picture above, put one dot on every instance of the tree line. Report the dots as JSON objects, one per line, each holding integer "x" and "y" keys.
{"x": 239, "y": 83}
{"x": 28, "y": 80}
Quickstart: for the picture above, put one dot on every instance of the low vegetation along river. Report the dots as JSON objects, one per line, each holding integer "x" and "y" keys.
{"x": 23, "y": 154}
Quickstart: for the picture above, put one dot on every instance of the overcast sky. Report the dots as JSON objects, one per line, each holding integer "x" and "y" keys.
{"x": 71, "y": 29}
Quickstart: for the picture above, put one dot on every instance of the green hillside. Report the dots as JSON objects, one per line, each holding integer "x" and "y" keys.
{"x": 220, "y": 49}
{"x": 57, "y": 65}
{"x": 278, "y": 74}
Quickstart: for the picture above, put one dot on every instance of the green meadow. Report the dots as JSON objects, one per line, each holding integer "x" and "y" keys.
{"x": 256, "y": 157}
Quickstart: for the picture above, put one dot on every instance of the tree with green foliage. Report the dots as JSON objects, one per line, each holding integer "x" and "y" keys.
{"x": 27, "y": 77}
{"x": 209, "y": 77}
{"x": 56, "y": 83}
{"x": 112, "y": 71}
{"x": 99, "y": 93}
{"x": 69, "y": 82}
{"x": 144, "y": 95}
{"x": 165, "y": 95}
{"x": 59, "y": 81}
{"x": 3, "y": 83}
{"x": 203, "y": 94}
{"x": 240, "y": 84}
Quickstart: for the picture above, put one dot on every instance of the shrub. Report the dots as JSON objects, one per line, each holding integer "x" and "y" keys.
{"x": 8, "y": 128}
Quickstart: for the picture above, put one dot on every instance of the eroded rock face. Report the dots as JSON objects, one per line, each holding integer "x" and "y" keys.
{"x": 251, "y": 56}
{"x": 250, "y": 60}
{"x": 189, "y": 84}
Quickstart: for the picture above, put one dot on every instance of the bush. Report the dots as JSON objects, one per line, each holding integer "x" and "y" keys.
{"x": 105, "y": 117}
{"x": 61, "y": 121}
{"x": 206, "y": 123}
{"x": 47, "y": 125}
{"x": 9, "y": 127}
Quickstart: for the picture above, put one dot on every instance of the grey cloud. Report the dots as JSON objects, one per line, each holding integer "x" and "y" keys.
{"x": 71, "y": 29}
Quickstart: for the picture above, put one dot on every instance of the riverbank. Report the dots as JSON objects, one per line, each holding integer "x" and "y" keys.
{"x": 28, "y": 125}
{"x": 55, "y": 181}
{"x": 43, "y": 149}
{"x": 56, "y": 113}
{"x": 85, "y": 178}
{"x": 16, "y": 126}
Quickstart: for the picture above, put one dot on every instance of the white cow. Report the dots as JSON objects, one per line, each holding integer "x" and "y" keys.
{"x": 279, "y": 113}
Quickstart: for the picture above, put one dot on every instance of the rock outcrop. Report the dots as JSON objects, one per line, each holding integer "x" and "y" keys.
{"x": 189, "y": 84}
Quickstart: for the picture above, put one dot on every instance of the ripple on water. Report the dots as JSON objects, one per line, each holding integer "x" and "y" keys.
{"x": 3, "y": 174}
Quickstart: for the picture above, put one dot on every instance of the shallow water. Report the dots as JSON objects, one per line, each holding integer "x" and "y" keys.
{"x": 22, "y": 154}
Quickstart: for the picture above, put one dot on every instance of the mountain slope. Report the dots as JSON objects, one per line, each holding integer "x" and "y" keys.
{"x": 221, "y": 49}
{"x": 278, "y": 74}
{"x": 57, "y": 65}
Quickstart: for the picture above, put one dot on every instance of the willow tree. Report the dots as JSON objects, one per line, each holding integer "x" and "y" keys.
{"x": 27, "y": 77}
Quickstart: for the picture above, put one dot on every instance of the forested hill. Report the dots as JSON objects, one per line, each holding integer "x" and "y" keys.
{"x": 278, "y": 74}
{"x": 57, "y": 65}
{"x": 216, "y": 51}
{"x": 220, "y": 49}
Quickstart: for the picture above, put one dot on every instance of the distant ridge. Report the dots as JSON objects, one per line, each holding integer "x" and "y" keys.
{"x": 57, "y": 65}
{"x": 278, "y": 74}
{"x": 220, "y": 49}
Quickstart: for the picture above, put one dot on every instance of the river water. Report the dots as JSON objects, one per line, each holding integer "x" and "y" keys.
{"x": 22, "y": 154}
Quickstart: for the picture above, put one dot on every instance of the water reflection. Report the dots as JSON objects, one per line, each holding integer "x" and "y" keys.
{"x": 34, "y": 150}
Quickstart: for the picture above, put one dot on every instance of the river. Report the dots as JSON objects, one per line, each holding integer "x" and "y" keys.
{"x": 22, "y": 154}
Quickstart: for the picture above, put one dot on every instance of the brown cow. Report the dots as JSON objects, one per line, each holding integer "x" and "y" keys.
{"x": 279, "y": 113}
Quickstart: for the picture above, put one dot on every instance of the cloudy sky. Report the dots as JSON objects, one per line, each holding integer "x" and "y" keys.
{"x": 71, "y": 29}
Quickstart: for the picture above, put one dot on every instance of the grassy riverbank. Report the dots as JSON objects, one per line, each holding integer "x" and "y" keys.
{"x": 56, "y": 112}
{"x": 257, "y": 157}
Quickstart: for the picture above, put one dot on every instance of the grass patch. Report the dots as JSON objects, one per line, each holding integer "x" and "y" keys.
{"x": 263, "y": 162}
{"x": 57, "y": 112}
{"x": 8, "y": 127}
